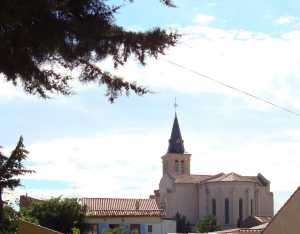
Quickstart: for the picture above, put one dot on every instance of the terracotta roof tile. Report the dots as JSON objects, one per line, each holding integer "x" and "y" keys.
{"x": 264, "y": 219}
{"x": 231, "y": 177}
{"x": 221, "y": 177}
{"x": 108, "y": 207}
{"x": 191, "y": 179}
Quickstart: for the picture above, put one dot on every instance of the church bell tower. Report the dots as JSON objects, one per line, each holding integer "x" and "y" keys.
{"x": 176, "y": 161}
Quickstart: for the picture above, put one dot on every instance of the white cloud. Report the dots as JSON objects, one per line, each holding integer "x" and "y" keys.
{"x": 285, "y": 20}
{"x": 108, "y": 165}
{"x": 255, "y": 62}
{"x": 204, "y": 19}
{"x": 119, "y": 165}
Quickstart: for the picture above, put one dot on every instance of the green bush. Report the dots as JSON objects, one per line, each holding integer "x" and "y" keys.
{"x": 10, "y": 221}
{"x": 60, "y": 214}
{"x": 208, "y": 224}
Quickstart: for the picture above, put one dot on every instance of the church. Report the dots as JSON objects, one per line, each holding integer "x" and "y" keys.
{"x": 230, "y": 197}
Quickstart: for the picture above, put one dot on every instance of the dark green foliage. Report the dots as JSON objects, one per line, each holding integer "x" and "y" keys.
{"x": 11, "y": 167}
{"x": 58, "y": 214}
{"x": 182, "y": 225}
{"x": 208, "y": 224}
{"x": 38, "y": 34}
{"x": 10, "y": 221}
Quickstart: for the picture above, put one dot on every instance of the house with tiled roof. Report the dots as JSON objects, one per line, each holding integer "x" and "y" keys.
{"x": 132, "y": 216}
{"x": 229, "y": 197}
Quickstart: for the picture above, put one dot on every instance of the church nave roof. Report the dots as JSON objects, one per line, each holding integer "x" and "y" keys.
{"x": 221, "y": 177}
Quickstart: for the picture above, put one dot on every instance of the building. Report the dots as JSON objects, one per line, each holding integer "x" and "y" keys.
{"x": 286, "y": 221}
{"x": 133, "y": 216}
{"x": 229, "y": 197}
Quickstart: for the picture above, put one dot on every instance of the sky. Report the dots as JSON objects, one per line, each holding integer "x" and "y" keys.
{"x": 83, "y": 145}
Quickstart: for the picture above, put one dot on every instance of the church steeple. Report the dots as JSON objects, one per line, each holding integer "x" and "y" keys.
{"x": 176, "y": 145}
{"x": 176, "y": 161}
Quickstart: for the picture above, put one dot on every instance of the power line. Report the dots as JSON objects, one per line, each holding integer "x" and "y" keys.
{"x": 232, "y": 87}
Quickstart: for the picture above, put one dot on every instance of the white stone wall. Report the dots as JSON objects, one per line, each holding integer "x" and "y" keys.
{"x": 159, "y": 226}
{"x": 169, "y": 164}
{"x": 169, "y": 226}
{"x": 261, "y": 197}
{"x": 183, "y": 199}
{"x": 266, "y": 202}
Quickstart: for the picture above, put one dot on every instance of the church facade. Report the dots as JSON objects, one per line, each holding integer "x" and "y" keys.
{"x": 230, "y": 197}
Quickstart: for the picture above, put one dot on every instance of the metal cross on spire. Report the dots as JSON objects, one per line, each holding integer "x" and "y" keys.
{"x": 175, "y": 105}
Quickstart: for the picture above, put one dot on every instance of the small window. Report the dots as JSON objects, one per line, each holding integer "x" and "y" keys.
{"x": 214, "y": 207}
{"x": 182, "y": 166}
{"x": 176, "y": 166}
{"x": 135, "y": 228}
{"x": 226, "y": 211}
{"x": 149, "y": 228}
{"x": 241, "y": 209}
{"x": 113, "y": 226}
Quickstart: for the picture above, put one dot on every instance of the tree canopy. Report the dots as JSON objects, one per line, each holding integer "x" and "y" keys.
{"x": 208, "y": 224}
{"x": 37, "y": 35}
{"x": 11, "y": 167}
{"x": 10, "y": 221}
{"x": 60, "y": 214}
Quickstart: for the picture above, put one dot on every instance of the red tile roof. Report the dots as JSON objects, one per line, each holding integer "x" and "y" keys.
{"x": 116, "y": 207}
{"x": 231, "y": 177}
{"x": 221, "y": 177}
{"x": 191, "y": 179}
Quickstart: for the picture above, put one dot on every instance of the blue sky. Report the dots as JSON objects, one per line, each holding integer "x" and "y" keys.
{"x": 84, "y": 146}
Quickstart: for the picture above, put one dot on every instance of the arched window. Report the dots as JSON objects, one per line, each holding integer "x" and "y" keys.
{"x": 182, "y": 166}
{"x": 241, "y": 209}
{"x": 214, "y": 207}
{"x": 251, "y": 207}
{"x": 226, "y": 211}
{"x": 176, "y": 166}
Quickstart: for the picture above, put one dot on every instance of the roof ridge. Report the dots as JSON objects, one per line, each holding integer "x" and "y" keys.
{"x": 117, "y": 198}
{"x": 127, "y": 209}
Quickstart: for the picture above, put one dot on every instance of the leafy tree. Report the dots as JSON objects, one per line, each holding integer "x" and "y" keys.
{"x": 182, "y": 225}
{"x": 11, "y": 167}
{"x": 60, "y": 214}
{"x": 208, "y": 224}
{"x": 36, "y": 35}
{"x": 9, "y": 221}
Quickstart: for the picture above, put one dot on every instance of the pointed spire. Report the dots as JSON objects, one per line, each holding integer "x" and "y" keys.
{"x": 176, "y": 143}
